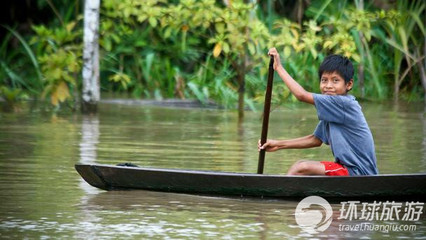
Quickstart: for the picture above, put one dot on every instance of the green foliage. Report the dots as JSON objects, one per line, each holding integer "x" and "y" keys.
{"x": 180, "y": 35}
{"x": 208, "y": 50}
{"x": 122, "y": 78}
{"x": 60, "y": 58}
{"x": 11, "y": 96}
{"x": 213, "y": 81}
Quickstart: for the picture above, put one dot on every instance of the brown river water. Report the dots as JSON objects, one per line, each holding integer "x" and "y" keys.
{"x": 43, "y": 197}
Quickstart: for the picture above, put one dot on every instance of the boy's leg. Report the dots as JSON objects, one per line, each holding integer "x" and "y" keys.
{"x": 304, "y": 167}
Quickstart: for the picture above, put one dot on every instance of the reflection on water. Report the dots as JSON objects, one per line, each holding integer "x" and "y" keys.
{"x": 191, "y": 217}
{"x": 43, "y": 196}
{"x": 88, "y": 145}
{"x": 89, "y": 138}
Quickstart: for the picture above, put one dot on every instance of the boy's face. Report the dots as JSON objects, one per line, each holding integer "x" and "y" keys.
{"x": 334, "y": 84}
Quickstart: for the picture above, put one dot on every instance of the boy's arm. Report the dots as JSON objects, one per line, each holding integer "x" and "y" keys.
{"x": 298, "y": 91}
{"x": 303, "y": 142}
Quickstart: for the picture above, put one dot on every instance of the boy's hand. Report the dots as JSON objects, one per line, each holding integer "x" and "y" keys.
{"x": 269, "y": 146}
{"x": 277, "y": 62}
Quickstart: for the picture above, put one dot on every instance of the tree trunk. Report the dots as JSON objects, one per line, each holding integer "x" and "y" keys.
{"x": 91, "y": 88}
{"x": 360, "y": 6}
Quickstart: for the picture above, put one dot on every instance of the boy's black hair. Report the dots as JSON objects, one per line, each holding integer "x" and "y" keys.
{"x": 337, "y": 63}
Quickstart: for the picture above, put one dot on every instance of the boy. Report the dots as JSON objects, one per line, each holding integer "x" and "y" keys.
{"x": 342, "y": 124}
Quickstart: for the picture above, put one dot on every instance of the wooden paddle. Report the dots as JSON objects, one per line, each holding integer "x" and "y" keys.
{"x": 266, "y": 110}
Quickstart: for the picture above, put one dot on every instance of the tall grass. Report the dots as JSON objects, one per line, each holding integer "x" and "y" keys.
{"x": 14, "y": 62}
{"x": 405, "y": 35}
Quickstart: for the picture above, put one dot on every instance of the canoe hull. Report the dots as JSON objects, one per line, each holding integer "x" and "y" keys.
{"x": 391, "y": 186}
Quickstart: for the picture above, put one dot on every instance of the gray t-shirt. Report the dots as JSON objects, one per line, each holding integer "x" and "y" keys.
{"x": 343, "y": 126}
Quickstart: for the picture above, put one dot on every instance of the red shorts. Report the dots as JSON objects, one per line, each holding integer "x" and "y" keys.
{"x": 335, "y": 169}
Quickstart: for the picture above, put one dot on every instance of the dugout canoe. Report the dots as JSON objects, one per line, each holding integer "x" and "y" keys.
{"x": 385, "y": 186}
